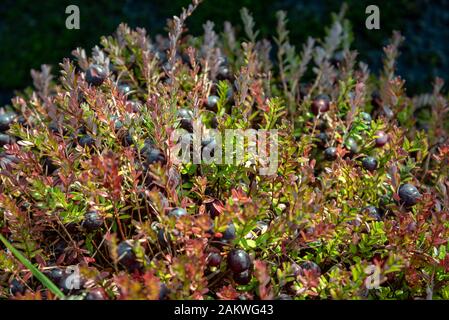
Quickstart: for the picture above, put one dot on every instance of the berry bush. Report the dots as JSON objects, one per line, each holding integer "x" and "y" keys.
{"x": 358, "y": 207}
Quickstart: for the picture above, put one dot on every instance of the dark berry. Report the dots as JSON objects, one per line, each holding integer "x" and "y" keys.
{"x": 373, "y": 213}
{"x": 163, "y": 291}
{"x": 212, "y": 102}
{"x": 55, "y": 274}
{"x": 163, "y": 238}
{"x": 16, "y": 287}
{"x": 366, "y": 117}
{"x": 213, "y": 208}
{"x": 242, "y": 278}
{"x": 86, "y": 140}
{"x": 6, "y": 139}
{"x": 152, "y": 155}
{"x": 178, "y": 212}
{"x": 320, "y": 104}
{"x": 409, "y": 194}
{"x": 124, "y": 88}
{"x": 229, "y": 233}
{"x": 214, "y": 259}
{"x": 185, "y": 119}
{"x": 381, "y": 138}
{"x": 238, "y": 261}
{"x": 369, "y": 163}
{"x": 6, "y": 120}
{"x": 96, "y": 294}
{"x": 352, "y": 146}
{"x": 322, "y": 139}
{"x": 92, "y": 220}
{"x": 223, "y": 73}
{"x": 330, "y": 153}
{"x": 96, "y": 74}
{"x": 126, "y": 254}
{"x": 208, "y": 146}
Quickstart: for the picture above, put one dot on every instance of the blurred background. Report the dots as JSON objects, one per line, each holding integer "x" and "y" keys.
{"x": 34, "y": 33}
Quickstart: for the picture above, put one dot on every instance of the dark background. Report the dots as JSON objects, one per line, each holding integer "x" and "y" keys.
{"x": 33, "y": 32}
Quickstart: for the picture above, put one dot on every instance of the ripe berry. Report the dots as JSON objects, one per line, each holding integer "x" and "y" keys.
{"x": 352, "y": 146}
{"x": 310, "y": 266}
{"x": 373, "y": 212}
{"x": 126, "y": 255}
{"x": 86, "y": 140}
{"x": 6, "y": 139}
{"x": 178, "y": 212}
{"x": 212, "y": 102}
{"x": 185, "y": 121}
{"x": 96, "y": 294}
{"x": 223, "y": 73}
{"x": 229, "y": 233}
{"x": 366, "y": 117}
{"x": 163, "y": 238}
{"x": 381, "y": 138}
{"x": 16, "y": 287}
{"x": 6, "y": 120}
{"x": 124, "y": 88}
{"x": 320, "y": 104}
{"x": 92, "y": 220}
{"x": 238, "y": 261}
{"x": 96, "y": 75}
{"x": 409, "y": 194}
{"x": 369, "y": 163}
{"x": 152, "y": 154}
{"x": 55, "y": 274}
{"x": 322, "y": 139}
{"x": 208, "y": 146}
{"x": 213, "y": 208}
{"x": 242, "y": 278}
{"x": 330, "y": 153}
{"x": 214, "y": 259}
{"x": 163, "y": 291}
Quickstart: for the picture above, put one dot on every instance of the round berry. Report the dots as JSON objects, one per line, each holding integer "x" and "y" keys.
{"x": 381, "y": 139}
{"x": 373, "y": 212}
{"x": 214, "y": 259}
{"x": 86, "y": 140}
{"x": 124, "y": 88}
{"x": 376, "y": 99}
{"x": 242, "y": 278}
{"x": 369, "y": 163}
{"x": 409, "y": 194}
{"x": 238, "y": 261}
{"x": 330, "y": 153}
{"x": 213, "y": 208}
{"x": 152, "y": 155}
{"x": 16, "y": 287}
{"x": 320, "y": 104}
{"x": 126, "y": 255}
{"x": 352, "y": 145}
{"x": 322, "y": 139}
{"x": 96, "y": 294}
{"x": 6, "y": 139}
{"x": 366, "y": 117}
{"x": 96, "y": 74}
{"x": 55, "y": 274}
{"x": 163, "y": 238}
{"x": 6, "y": 120}
{"x": 163, "y": 291}
{"x": 229, "y": 233}
{"x": 92, "y": 220}
{"x": 212, "y": 102}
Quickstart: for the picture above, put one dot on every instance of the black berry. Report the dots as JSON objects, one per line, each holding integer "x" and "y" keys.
{"x": 381, "y": 139}
{"x": 352, "y": 146}
{"x": 213, "y": 208}
{"x": 238, "y": 261}
{"x": 96, "y": 294}
{"x": 96, "y": 74}
{"x": 409, "y": 194}
{"x": 214, "y": 259}
{"x": 369, "y": 163}
{"x": 330, "y": 153}
{"x": 320, "y": 104}
{"x": 86, "y": 140}
{"x": 311, "y": 267}
{"x": 212, "y": 102}
{"x": 6, "y": 120}
{"x": 16, "y": 287}
{"x": 373, "y": 213}
{"x": 126, "y": 255}
{"x": 229, "y": 233}
{"x": 6, "y": 139}
{"x": 92, "y": 220}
